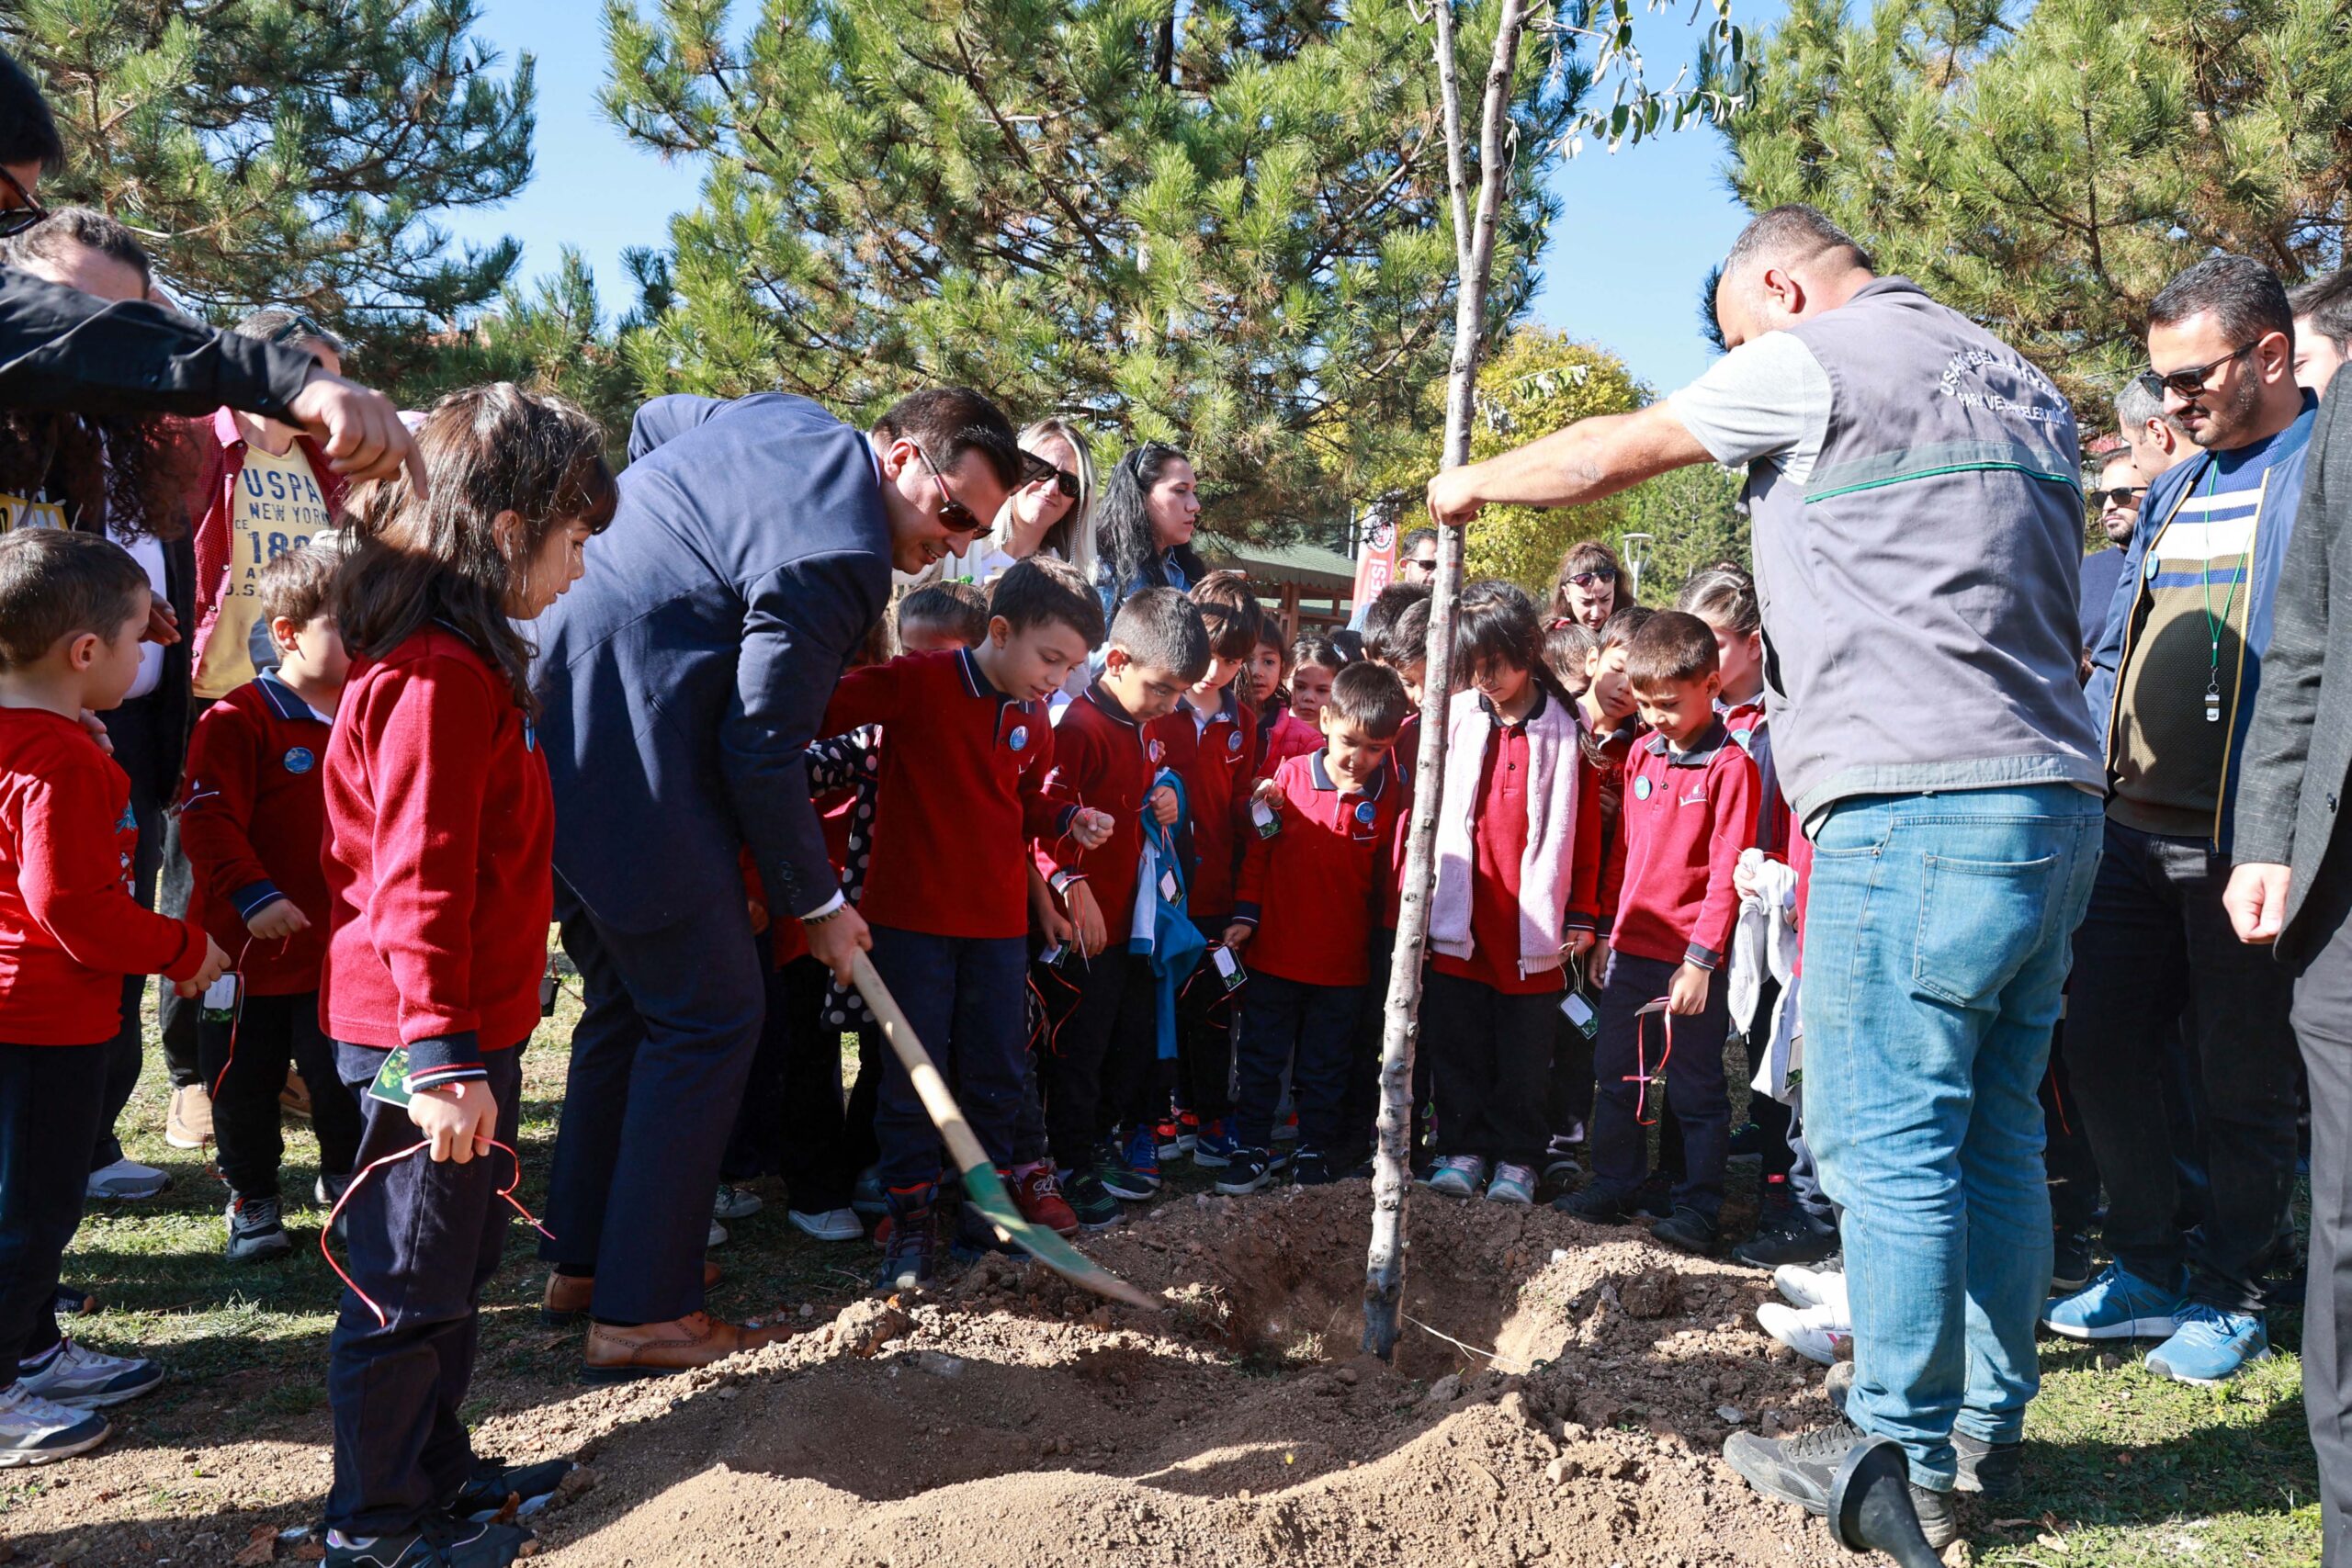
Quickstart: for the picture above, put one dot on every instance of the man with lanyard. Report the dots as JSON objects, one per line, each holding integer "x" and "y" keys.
{"x": 2173, "y": 683}
{"x": 683, "y": 679}
{"x": 1912, "y": 484}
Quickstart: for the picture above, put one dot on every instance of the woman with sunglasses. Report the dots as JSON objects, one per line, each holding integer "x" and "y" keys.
{"x": 1149, "y": 511}
{"x": 1585, "y": 590}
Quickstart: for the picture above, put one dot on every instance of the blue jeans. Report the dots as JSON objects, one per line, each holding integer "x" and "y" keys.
{"x": 1937, "y": 937}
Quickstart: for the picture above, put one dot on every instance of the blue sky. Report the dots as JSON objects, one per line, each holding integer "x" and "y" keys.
{"x": 1638, "y": 231}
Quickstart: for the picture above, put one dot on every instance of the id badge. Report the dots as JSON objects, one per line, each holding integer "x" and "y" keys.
{"x": 219, "y": 1003}
{"x": 391, "y": 1083}
{"x": 1265, "y": 818}
{"x": 1168, "y": 887}
{"x": 1053, "y": 957}
{"x": 1580, "y": 1013}
{"x": 1228, "y": 968}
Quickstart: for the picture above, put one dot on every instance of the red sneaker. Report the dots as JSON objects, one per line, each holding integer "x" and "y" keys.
{"x": 1039, "y": 1198}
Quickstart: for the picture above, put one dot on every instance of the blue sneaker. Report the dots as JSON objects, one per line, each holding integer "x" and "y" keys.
{"x": 1215, "y": 1147}
{"x": 2116, "y": 1305}
{"x": 2211, "y": 1346}
{"x": 1132, "y": 1170}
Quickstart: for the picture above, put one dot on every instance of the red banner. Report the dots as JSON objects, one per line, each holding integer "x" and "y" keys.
{"x": 1376, "y": 567}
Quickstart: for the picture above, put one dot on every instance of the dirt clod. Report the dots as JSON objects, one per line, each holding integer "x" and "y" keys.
{"x": 1652, "y": 1293}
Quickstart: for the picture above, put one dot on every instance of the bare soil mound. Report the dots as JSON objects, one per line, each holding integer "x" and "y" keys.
{"x": 1008, "y": 1419}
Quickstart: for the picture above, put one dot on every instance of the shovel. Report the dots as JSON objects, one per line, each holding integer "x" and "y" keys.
{"x": 982, "y": 1187}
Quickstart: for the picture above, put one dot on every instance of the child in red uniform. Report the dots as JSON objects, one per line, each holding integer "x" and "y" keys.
{"x": 1209, "y": 740}
{"x": 252, "y": 817}
{"x": 1315, "y": 663}
{"x": 1517, "y": 891}
{"x": 1689, "y": 809}
{"x": 966, "y": 744}
{"x": 1402, "y": 644}
{"x": 73, "y": 610}
{"x": 1310, "y": 902}
{"x": 1102, "y": 1065}
{"x": 439, "y": 890}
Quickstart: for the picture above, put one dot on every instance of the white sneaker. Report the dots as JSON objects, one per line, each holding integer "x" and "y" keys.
{"x": 86, "y": 1379}
{"x": 833, "y": 1224}
{"x": 34, "y": 1430}
{"x": 718, "y": 1234}
{"x": 733, "y": 1202}
{"x": 1805, "y": 1287}
{"x": 1822, "y": 1334}
{"x": 127, "y": 1179}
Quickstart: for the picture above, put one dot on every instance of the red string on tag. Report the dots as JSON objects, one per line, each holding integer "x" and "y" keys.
{"x": 236, "y": 1012}
{"x": 1643, "y": 1115}
{"x": 506, "y": 1192}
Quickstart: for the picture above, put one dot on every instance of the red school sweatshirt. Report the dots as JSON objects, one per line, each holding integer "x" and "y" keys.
{"x": 1687, "y": 816}
{"x": 1103, "y": 761}
{"x": 69, "y": 928}
{"x": 1314, "y": 889}
{"x": 960, "y": 788}
{"x": 253, "y": 819}
{"x": 1213, "y": 755}
{"x": 438, "y": 860}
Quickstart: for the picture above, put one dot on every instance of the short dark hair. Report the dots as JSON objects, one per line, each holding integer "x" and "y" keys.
{"x": 284, "y": 325}
{"x": 28, "y": 131}
{"x": 2245, "y": 297}
{"x": 1497, "y": 624}
{"x": 1386, "y": 606}
{"x": 1723, "y": 592}
{"x": 1231, "y": 613}
{"x": 947, "y": 422}
{"x": 1790, "y": 235}
{"x": 69, "y": 229}
{"x": 299, "y": 583}
{"x": 1405, "y": 639}
{"x": 1565, "y": 647}
{"x": 1042, "y": 591}
{"x": 1619, "y": 629}
{"x": 1372, "y": 696}
{"x": 958, "y": 607}
{"x": 1319, "y": 649}
{"x": 2327, "y": 304}
{"x": 1674, "y": 647}
{"x": 54, "y": 583}
{"x": 1413, "y": 540}
{"x": 1161, "y": 629}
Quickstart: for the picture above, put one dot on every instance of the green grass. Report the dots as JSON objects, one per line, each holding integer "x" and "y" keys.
{"x": 2124, "y": 1468}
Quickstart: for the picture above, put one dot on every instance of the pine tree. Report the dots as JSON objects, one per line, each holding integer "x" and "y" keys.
{"x": 2047, "y": 168}
{"x": 1225, "y": 225}
{"x": 289, "y": 152}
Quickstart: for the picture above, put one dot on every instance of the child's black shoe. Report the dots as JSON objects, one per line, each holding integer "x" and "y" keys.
{"x": 492, "y": 1481}
{"x": 1686, "y": 1230}
{"x": 1248, "y": 1172}
{"x": 1596, "y": 1203}
{"x": 1309, "y": 1169}
{"x": 442, "y": 1543}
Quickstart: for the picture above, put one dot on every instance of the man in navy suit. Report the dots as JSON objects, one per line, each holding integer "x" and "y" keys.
{"x": 683, "y": 679}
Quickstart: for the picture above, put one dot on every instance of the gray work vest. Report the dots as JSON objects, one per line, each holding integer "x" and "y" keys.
{"x": 1918, "y": 594}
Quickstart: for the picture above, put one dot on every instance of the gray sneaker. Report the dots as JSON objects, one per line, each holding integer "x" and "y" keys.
{"x": 83, "y": 1379}
{"x": 733, "y": 1202}
{"x": 127, "y": 1179}
{"x": 256, "y": 1230}
{"x": 34, "y": 1430}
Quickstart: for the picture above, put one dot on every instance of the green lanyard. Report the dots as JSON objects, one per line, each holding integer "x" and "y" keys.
{"x": 2215, "y": 626}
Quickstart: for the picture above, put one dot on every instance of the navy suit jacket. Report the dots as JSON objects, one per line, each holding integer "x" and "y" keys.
{"x": 685, "y": 675}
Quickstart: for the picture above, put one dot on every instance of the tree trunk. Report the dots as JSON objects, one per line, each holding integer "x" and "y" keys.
{"x": 1474, "y": 241}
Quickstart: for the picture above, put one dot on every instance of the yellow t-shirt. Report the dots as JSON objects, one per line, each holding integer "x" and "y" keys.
{"x": 279, "y": 508}
{"x": 17, "y": 512}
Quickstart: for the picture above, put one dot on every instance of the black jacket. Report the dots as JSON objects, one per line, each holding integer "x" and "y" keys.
{"x": 63, "y": 349}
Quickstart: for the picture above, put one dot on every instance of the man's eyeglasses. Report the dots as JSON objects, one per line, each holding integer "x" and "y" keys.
{"x": 2191, "y": 381}
{"x": 2121, "y": 495}
{"x": 1036, "y": 470}
{"x": 24, "y": 215}
{"x": 1420, "y": 563}
{"x": 1599, "y": 576}
{"x": 953, "y": 515}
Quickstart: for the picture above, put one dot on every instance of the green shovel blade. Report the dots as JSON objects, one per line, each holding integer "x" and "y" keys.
{"x": 984, "y": 1189}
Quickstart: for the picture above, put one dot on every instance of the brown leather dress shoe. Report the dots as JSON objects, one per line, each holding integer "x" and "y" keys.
{"x": 568, "y": 1296}
{"x": 657, "y": 1349}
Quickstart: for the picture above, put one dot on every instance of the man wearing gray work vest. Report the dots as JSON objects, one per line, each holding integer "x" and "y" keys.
{"x": 1911, "y": 485}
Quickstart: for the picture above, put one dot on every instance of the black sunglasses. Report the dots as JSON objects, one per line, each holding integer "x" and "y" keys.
{"x": 953, "y": 515}
{"x": 1598, "y": 574}
{"x": 2121, "y": 495}
{"x": 2191, "y": 381}
{"x": 1036, "y": 470}
{"x": 19, "y": 218}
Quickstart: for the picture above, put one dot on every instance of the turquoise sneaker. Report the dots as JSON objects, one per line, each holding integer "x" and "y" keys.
{"x": 2116, "y": 1305}
{"x": 2211, "y": 1346}
{"x": 1458, "y": 1176}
